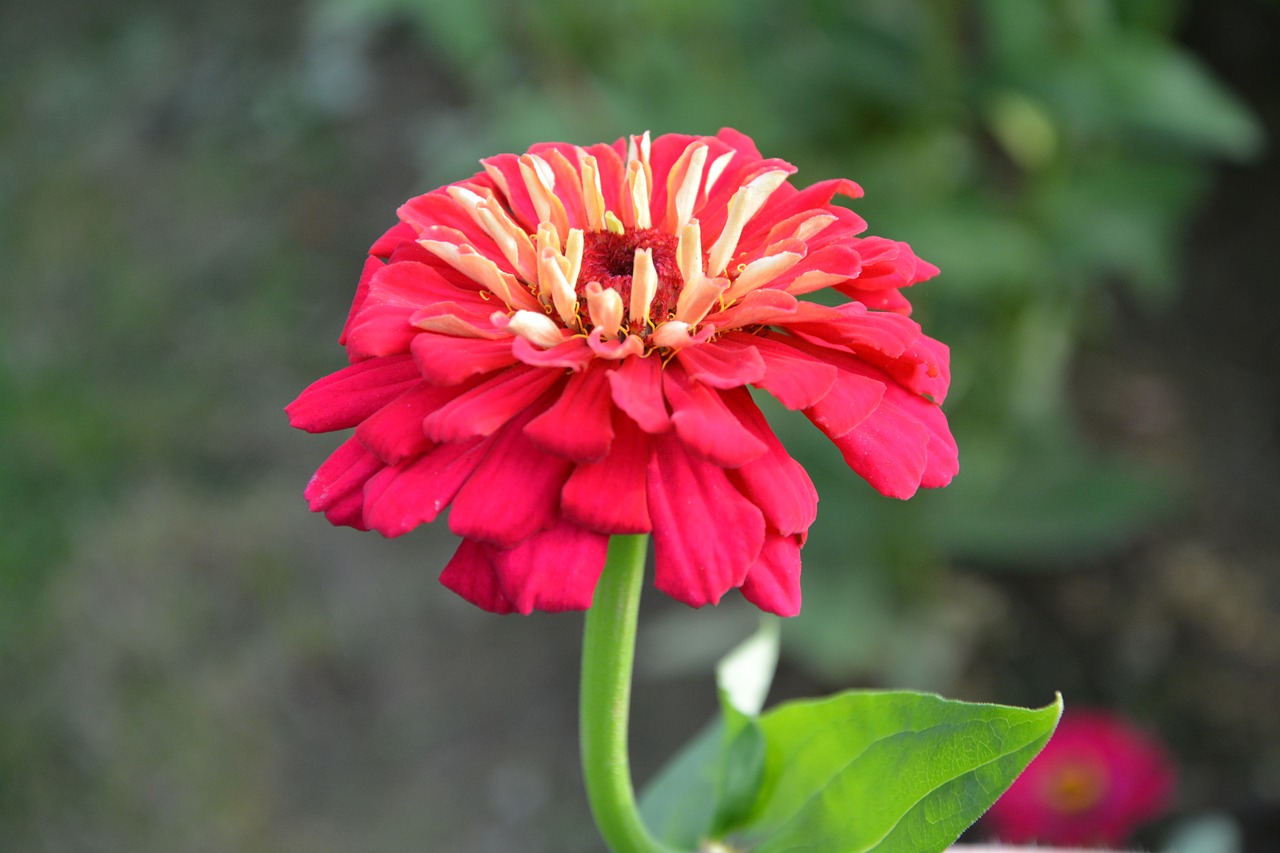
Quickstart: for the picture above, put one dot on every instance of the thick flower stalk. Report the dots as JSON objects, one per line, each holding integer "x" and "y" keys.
{"x": 560, "y": 348}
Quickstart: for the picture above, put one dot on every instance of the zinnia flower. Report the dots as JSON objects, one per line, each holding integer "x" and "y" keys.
{"x": 560, "y": 349}
{"x": 1095, "y": 782}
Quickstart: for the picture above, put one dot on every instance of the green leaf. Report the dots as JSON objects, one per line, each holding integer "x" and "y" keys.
{"x": 1160, "y": 88}
{"x": 887, "y": 771}
{"x": 679, "y": 804}
{"x": 713, "y": 782}
{"x": 739, "y": 768}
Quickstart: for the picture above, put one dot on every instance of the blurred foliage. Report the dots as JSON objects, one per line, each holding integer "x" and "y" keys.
{"x": 186, "y": 191}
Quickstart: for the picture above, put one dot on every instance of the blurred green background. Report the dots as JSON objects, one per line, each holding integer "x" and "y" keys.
{"x": 190, "y": 661}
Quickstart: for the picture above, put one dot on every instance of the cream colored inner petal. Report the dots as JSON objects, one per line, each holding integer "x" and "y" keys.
{"x": 644, "y": 286}
{"x": 466, "y": 260}
{"x": 534, "y": 326}
{"x": 746, "y": 203}
{"x": 760, "y": 272}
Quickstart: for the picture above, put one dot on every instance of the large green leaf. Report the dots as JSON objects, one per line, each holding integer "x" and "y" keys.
{"x": 886, "y": 771}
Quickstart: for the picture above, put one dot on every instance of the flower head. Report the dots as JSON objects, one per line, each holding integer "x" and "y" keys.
{"x": 560, "y": 348}
{"x": 1095, "y": 782}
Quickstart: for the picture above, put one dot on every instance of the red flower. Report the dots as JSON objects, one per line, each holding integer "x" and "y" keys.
{"x": 1096, "y": 781}
{"x": 560, "y": 349}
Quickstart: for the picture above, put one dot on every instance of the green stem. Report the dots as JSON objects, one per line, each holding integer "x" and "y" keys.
{"x": 608, "y": 651}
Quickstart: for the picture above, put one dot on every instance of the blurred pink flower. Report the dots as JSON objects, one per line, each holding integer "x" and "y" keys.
{"x": 560, "y": 347}
{"x": 1096, "y": 781}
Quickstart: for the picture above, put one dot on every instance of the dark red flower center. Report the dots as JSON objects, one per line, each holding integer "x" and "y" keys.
{"x": 610, "y": 258}
{"x": 1076, "y": 787}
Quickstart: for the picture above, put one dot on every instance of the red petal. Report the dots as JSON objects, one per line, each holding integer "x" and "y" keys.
{"x": 852, "y": 399}
{"x": 923, "y": 369}
{"x": 773, "y": 582}
{"x": 514, "y": 493}
{"x": 337, "y": 488}
{"x": 394, "y": 236}
{"x": 515, "y": 192}
{"x": 394, "y": 432}
{"x": 371, "y": 266}
{"x": 438, "y": 209}
{"x": 775, "y": 482}
{"x": 814, "y": 196}
{"x": 399, "y": 499}
{"x": 383, "y": 324}
{"x": 489, "y": 405}
{"x": 706, "y": 425}
{"x": 757, "y": 308}
{"x": 797, "y": 379}
{"x": 471, "y": 575}
{"x": 636, "y": 387}
{"x": 613, "y": 171}
{"x": 609, "y": 496}
{"x": 573, "y": 354}
{"x": 448, "y": 360}
{"x": 345, "y": 398}
{"x": 722, "y": 368}
{"x": 577, "y": 426}
{"x": 552, "y": 571}
{"x": 706, "y": 535}
{"x": 923, "y": 438}
{"x": 889, "y": 450}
